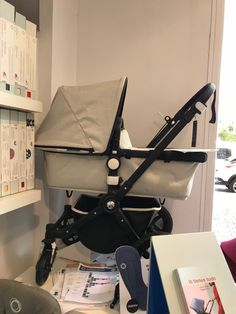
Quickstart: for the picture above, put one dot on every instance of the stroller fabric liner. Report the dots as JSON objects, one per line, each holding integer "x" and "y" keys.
{"x": 88, "y": 174}
{"x": 86, "y": 148}
{"x": 82, "y": 119}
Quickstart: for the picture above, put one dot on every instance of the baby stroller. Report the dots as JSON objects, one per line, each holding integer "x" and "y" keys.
{"x": 87, "y": 149}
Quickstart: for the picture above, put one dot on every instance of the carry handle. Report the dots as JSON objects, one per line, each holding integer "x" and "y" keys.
{"x": 201, "y": 96}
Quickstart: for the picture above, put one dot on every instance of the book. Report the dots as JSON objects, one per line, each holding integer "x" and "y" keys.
{"x": 30, "y": 59}
{"x": 30, "y": 154}
{"x": 14, "y": 171}
{"x": 200, "y": 290}
{"x": 7, "y": 12}
{"x": 4, "y": 152}
{"x": 22, "y": 151}
{"x": 19, "y": 54}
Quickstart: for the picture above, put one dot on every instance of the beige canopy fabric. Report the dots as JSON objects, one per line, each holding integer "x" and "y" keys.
{"x": 81, "y": 117}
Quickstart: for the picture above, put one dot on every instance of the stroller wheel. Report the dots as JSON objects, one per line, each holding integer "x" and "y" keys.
{"x": 43, "y": 267}
{"x": 73, "y": 239}
{"x": 162, "y": 222}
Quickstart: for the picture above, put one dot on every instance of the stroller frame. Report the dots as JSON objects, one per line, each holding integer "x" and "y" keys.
{"x": 112, "y": 202}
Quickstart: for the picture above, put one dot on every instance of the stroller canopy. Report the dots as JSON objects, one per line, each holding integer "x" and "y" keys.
{"x": 83, "y": 117}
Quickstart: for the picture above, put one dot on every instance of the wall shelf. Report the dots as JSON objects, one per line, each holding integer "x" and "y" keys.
{"x": 12, "y": 202}
{"x": 11, "y": 101}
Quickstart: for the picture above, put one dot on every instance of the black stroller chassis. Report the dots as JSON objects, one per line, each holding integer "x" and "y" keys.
{"x": 119, "y": 215}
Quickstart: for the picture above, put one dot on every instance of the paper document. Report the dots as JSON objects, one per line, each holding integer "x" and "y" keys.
{"x": 85, "y": 286}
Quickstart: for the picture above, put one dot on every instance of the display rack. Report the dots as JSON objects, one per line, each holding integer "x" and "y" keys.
{"x": 14, "y": 201}
{"x": 11, "y": 101}
{"x": 20, "y": 199}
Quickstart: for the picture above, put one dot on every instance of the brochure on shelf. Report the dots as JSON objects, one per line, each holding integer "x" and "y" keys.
{"x": 14, "y": 146}
{"x": 7, "y": 88}
{"x": 18, "y": 46}
{"x": 7, "y": 12}
{"x": 170, "y": 252}
{"x": 30, "y": 155}
{"x": 22, "y": 151}
{"x": 30, "y": 60}
{"x": 19, "y": 54}
{"x": 5, "y": 148}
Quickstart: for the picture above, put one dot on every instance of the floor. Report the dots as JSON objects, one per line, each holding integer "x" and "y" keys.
{"x": 224, "y": 214}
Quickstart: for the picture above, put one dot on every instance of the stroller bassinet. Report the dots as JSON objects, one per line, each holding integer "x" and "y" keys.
{"x": 87, "y": 149}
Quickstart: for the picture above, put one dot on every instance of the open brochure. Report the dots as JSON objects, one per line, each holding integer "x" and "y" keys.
{"x": 85, "y": 286}
{"x": 200, "y": 290}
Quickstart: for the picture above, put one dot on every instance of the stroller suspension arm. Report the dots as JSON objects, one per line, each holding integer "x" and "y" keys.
{"x": 58, "y": 231}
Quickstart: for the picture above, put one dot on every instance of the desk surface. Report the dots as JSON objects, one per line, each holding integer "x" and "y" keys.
{"x": 200, "y": 250}
{"x": 28, "y": 277}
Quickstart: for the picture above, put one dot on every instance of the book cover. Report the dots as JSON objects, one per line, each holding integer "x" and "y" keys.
{"x": 22, "y": 151}
{"x": 200, "y": 290}
{"x": 4, "y": 152}
{"x": 7, "y": 12}
{"x": 19, "y": 54}
{"x": 14, "y": 171}
{"x": 30, "y": 59}
{"x": 30, "y": 155}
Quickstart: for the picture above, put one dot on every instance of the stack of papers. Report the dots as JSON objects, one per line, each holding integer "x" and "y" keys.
{"x": 84, "y": 286}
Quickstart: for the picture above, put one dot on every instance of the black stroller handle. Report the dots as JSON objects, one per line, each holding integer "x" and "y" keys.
{"x": 201, "y": 96}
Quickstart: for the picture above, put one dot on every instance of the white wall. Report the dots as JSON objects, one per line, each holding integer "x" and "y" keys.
{"x": 57, "y": 59}
{"x": 162, "y": 46}
{"x": 165, "y": 49}
{"x": 41, "y": 208}
{"x": 64, "y": 53}
{"x": 16, "y": 241}
{"x": 64, "y": 43}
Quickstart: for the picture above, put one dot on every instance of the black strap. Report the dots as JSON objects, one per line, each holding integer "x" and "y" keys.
{"x": 194, "y": 134}
{"x": 167, "y": 155}
{"x": 69, "y": 193}
{"x": 213, "y": 109}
